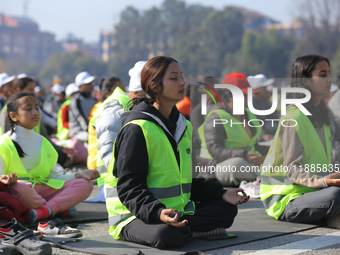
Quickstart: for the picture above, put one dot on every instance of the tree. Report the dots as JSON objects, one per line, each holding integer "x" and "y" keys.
{"x": 154, "y": 32}
{"x": 268, "y": 54}
{"x": 335, "y": 65}
{"x": 129, "y": 46}
{"x": 204, "y": 49}
{"x": 321, "y": 19}
{"x": 68, "y": 65}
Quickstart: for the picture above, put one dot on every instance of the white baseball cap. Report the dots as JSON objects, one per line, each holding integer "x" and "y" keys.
{"x": 57, "y": 88}
{"x": 135, "y": 76}
{"x": 84, "y": 78}
{"x": 37, "y": 89}
{"x": 334, "y": 88}
{"x": 22, "y": 75}
{"x": 71, "y": 88}
{"x": 5, "y": 78}
{"x": 259, "y": 80}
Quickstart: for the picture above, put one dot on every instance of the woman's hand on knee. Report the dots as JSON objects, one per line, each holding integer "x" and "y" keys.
{"x": 170, "y": 217}
{"x": 233, "y": 197}
{"x": 333, "y": 179}
{"x": 9, "y": 179}
{"x": 88, "y": 175}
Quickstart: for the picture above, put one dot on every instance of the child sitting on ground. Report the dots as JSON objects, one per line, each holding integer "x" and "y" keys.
{"x": 32, "y": 177}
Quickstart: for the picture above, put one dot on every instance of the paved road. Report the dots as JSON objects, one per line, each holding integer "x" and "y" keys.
{"x": 326, "y": 240}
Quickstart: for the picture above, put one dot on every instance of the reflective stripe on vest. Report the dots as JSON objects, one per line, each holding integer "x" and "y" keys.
{"x": 3, "y": 111}
{"x": 172, "y": 192}
{"x": 277, "y": 190}
{"x": 101, "y": 169}
{"x": 237, "y": 136}
{"x": 48, "y": 160}
{"x": 62, "y": 132}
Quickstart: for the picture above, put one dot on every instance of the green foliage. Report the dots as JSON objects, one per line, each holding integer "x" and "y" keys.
{"x": 268, "y": 53}
{"x": 68, "y": 65}
{"x": 203, "y": 50}
{"x": 335, "y": 65}
{"x": 204, "y": 40}
{"x": 141, "y": 36}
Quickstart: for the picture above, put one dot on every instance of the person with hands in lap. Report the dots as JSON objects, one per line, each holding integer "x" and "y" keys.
{"x": 28, "y": 165}
{"x": 152, "y": 198}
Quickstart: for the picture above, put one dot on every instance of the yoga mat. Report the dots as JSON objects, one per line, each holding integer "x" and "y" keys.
{"x": 87, "y": 212}
{"x": 250, "y": 225}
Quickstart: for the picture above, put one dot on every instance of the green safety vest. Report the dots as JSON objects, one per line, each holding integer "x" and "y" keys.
{"x": 168, "y": 182}
{"x": 48, "y": 159}
{"x": 117, "y": 95}
{"x": 36, "y": 129}
{"x": 277, "y": 190}
{"x": 237, "y": 136}
{"x": 62, "y": 132}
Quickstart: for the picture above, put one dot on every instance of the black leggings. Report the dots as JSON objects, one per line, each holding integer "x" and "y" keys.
{"x": 208, "y": 216}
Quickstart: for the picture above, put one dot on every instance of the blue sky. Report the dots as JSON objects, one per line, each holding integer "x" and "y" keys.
{"x": 86, "y": 18}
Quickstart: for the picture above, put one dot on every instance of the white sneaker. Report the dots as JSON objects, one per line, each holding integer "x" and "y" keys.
{"x": 251, "y": 188}
{"x": 57, "y": 228}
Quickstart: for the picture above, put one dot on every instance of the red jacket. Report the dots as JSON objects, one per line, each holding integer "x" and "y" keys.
{"x": 11, "y": 207}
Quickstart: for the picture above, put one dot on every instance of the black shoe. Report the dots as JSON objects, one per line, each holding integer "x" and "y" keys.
{"x": 26, "y": 243}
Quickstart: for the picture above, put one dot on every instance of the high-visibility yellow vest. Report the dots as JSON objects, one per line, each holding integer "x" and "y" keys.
{"x": 117, "y": 95}
{"x": 92, "y": 143}
{"x": 277, "y": 190}
{"x": 237, "y": 136}
{"x": 62, "y": 132}
{"x": 168, "y": 182}
{"x": 48, "y": 159}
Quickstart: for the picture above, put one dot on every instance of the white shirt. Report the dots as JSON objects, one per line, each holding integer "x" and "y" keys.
{"x": 31, "y": 142}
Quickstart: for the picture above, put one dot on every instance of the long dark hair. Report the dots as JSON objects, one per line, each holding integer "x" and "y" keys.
{"x": 152, "y": 79}
{"x": 23, "y": 82}
{"x": 302, "y": 68}
{"x": 108, "y": 84}
{"x": 12, "y": 106}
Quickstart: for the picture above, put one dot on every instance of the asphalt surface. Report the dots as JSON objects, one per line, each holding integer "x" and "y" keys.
{"x": 101, "y": 228}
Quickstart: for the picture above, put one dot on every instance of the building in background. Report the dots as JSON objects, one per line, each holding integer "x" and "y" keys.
{"x": 106, "y": 42}
{"x": 20, "y": 37}
{"x": 72, "y": 44}
{"x": 297, "y": 28}
{"x": 256, "y": 21}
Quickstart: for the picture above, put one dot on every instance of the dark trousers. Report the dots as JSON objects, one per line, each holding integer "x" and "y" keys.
{"x": 313, "y": 206}
{"x": 208, "y": 216}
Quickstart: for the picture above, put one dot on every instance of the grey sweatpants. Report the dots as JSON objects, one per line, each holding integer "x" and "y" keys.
{"x": 313, "y": 206}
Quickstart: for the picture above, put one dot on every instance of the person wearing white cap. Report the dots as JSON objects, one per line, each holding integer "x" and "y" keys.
{"x": 80, "y": 107}
{"x": 107, "y": 120}
{"x": 135, "y": 88}
{"x": 6, "y": 87}
{"x": 55, "y": 100}
{"x": 63, "y": 113}
{"x": 261, "y": 102}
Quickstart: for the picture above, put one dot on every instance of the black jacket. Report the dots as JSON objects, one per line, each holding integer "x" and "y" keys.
{"x": 131, "y": 165}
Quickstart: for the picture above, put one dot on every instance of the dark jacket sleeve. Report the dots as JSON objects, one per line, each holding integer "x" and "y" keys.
{"x": 203, "y": 190}
{"x": 75, "y": 109}
{"x": 215, "y": 137}
{"x": 132, "y": 170}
